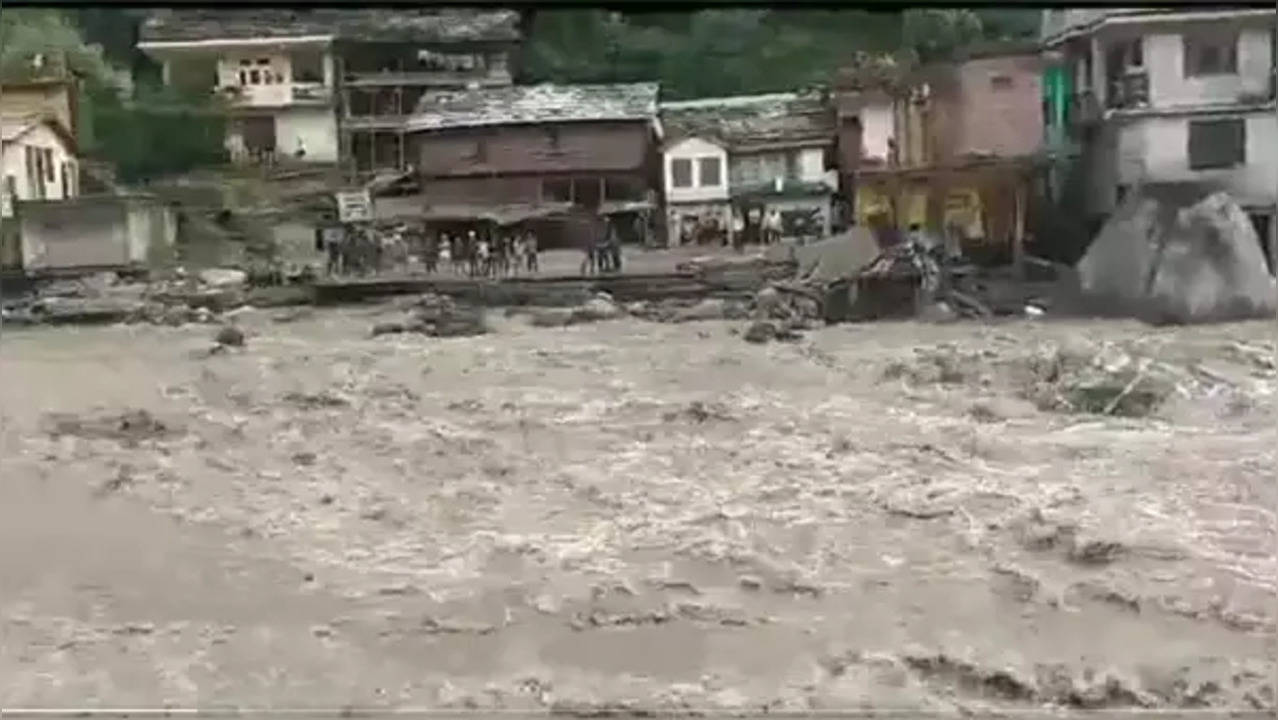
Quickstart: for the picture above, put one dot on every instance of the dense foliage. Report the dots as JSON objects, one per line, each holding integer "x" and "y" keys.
{"x": 747, "y": 50}
{"x": 154, "y": 133}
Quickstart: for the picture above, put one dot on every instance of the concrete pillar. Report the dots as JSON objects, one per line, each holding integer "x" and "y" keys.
{"x": 328, "y": 69}
{"x": 166, "y": 72}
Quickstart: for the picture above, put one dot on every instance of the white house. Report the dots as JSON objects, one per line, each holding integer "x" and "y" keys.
{"x": 38, "y": 159}
{"x": 695, "y": 179}
{"x": 1181, "y": 95}
{"x": 747, "y": 156}
{"x": 280, "y": 87}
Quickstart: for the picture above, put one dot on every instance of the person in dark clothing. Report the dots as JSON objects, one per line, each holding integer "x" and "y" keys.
{"x": 530, "y": 248}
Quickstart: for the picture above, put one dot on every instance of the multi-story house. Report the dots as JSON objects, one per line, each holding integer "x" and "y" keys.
{"x": 951, "y": 148}
{"x": 510, "y": 154}
{"x": 323, "y": 85}
{"x": 1150, "y": 95}
{"x": 748, "y": 156}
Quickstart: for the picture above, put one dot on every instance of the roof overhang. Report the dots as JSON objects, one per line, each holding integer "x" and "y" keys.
{"x": 68, "y": 140}
{"x": 161, "y": 47}
{"x": 417, "y": 123}
{"x": 674, "y": 142}
{"x": 746, "y": 148}
{"x": 1142, "y": 17}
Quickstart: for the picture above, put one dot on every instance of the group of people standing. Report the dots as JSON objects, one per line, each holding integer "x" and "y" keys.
{"x": 361, "y": 249}
{"x": 754, "y": 226}
{"x": 496, "y": 255}
{"x": 603, "y": 255}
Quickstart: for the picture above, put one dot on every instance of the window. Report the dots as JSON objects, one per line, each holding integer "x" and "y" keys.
{"x": 623, "y": 188}
{"x": 49, "y": 168}
{"x": 1217, "y": 144}
{"x": 1211, "y": 54}
{"x": 556, "y": 190}
{"x": 66, "y": 189}
{"x": 791, "y": 166}
{"x": 711, "y": 172}
{"x": 681, "y": 172}
{"x": 1001, "y": 82}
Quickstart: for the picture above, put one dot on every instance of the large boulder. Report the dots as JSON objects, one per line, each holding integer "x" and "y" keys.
{"x": 1212, "y": 268}
{"x": 1176, "y": 254}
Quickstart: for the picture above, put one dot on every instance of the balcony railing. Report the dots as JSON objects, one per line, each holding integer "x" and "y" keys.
{"x": 311, "y": 92}
{"x": 1129, "y": 91}
{"x": 275, "y": 95}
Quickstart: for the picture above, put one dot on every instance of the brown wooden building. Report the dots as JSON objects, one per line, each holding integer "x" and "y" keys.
{"x": 530, "y": 150}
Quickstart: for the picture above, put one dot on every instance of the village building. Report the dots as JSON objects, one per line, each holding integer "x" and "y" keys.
{"x": 323, "y": 85}
{"x": 39, "y": 160}
{"x": 731, "y": 158}
{"x": 962, "y": 158}
{"x": 1148, "y": 96}
{"x": 542, "y": 154}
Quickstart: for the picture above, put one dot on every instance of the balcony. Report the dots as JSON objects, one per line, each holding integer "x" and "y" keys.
{"x": 313, "y": 92}
{"x": 1129, "y": 91}
{"x": 276, "y": 95}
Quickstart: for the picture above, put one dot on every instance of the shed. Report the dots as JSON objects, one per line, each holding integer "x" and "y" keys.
{"x": 93, "y": 233}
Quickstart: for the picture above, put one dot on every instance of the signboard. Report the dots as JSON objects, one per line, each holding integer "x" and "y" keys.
{"x": 354, "y": 206}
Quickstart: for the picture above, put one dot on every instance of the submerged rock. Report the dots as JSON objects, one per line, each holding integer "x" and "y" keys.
{"x": 229, "y": 336}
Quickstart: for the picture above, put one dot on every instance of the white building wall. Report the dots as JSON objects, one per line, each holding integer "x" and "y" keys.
{"x": 1168, "y": 87}
{"x": 694, "y": 149}
{"x": 812, "y": 164}
{"x": 14, "y": 164}
{"x": 1159, "y": 148}
{"x": 314, "y": 129}
{"x": 876, "y": 130}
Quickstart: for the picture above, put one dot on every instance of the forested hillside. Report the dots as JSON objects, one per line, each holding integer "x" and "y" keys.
{"x": 746, "y": 50}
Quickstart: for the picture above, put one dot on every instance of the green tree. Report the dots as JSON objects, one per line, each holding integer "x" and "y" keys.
{"x": 39, "y": 42}
{"x": 160, "y": 131}
{"x": 934, "y": 34}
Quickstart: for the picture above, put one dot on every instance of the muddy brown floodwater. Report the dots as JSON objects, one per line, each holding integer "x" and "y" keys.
{"x": 628, "y": 514}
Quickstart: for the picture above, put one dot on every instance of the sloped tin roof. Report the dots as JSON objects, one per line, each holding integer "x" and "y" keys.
{"x": 362, "y": 24}
{"x": 534, "y": 104}
{"x": 752, "y": 120}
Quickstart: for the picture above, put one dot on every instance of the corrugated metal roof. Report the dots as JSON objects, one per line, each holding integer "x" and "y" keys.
{"x": 531, "y": 104}
{"x": 372, "y": 24}
{"x": 737, "y": 122}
